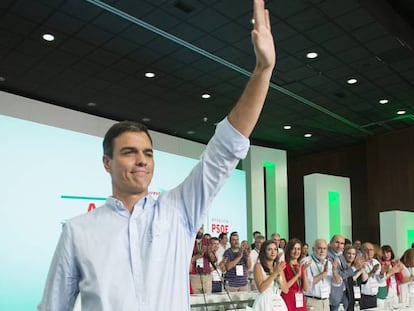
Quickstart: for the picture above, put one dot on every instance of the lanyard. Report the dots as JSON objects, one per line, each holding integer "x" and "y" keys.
{"x": 369, "y": 266}
{"x": 317, "y": 265}
{"x": 299, "y": 279}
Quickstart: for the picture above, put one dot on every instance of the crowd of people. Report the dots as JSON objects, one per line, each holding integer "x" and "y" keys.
{"x": 334, "y": 275}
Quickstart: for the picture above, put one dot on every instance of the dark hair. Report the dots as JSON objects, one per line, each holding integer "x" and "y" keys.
{"x": 214, "y": 239}
{"x": 118, "y": 129}
{"x": 262, "y": 255}
{"x": 289, "y": 247}
{"x": 233, "y": 233}
{"x": 387, "y": 248}
{"x": 221, "y": 235}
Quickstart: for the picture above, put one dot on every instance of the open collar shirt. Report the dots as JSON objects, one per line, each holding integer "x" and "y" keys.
{"x": 125, "y": 261}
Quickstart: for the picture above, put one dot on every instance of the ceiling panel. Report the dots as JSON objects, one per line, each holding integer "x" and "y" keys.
{"x": 198, "y": 46}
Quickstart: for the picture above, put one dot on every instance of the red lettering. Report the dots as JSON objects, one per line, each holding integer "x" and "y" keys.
{"x": 91, "y": 207}
{"x": 219, "y": 228}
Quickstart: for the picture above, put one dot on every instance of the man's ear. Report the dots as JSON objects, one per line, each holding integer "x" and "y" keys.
{"x": 106, "y": 162}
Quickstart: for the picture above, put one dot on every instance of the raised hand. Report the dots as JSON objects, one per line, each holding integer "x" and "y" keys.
{"x": 262, "y": 38}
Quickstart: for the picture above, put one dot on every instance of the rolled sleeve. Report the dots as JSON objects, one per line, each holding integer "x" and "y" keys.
{"x": 236, "y": 143}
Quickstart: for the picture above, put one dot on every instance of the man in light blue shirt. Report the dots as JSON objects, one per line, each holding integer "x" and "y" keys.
{"x": 133, "y": 253}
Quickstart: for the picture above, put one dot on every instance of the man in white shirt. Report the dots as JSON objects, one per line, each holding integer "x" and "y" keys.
{"x": 223, "y": 244}
{"x": 254, "y": 255}
{"x": 280, "y": 252}
{"x": 369, "y": 290}
{"x": 133, "y": 253}
{"x": 322, "y": 274}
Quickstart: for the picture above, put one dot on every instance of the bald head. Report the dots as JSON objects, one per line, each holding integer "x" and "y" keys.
{"x": 337, "y": 243}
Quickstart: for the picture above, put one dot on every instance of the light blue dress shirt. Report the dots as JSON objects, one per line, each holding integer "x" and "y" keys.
{"x": 122, "y": 261}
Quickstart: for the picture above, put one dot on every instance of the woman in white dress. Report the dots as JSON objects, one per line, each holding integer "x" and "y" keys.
{"x": 407, "y": 283}
{"x": 270, "y": 279}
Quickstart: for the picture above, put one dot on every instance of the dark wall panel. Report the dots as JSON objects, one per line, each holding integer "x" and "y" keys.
{"x": 382, "y": 178}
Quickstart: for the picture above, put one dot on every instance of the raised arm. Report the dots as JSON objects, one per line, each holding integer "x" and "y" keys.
{"x": 246, "y": 112}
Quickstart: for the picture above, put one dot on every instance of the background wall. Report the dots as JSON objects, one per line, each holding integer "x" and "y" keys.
{"x": 382, "y": 178}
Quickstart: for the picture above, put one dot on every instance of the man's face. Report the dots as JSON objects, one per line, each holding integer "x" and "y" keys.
{"x": 258, "y": 242}
{"x": 131, "y": 166}
{"x": 224, "y": 239}
{"x": 338, "y": 244}
{"x": 320, "y": 249}
{"x": 369, "y": 251}
{"x": 234, "y": 241}
{"x": 214, "y": 245}
{"x": 276, "y": 240}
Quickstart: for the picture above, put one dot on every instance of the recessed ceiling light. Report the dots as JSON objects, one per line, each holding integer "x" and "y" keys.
{"x": 145, "y": 119}
{"x": 383, "y": 101}
{"x": 312, "y": 55}
{"x": 205, "y": 95}
{"x": 352, "y": 81}
{"x": 2, "y": 79}
{"x": 287, "y": 127}
{"x": 401, "y": 112}
{"x": 190, "y": 132}
{"x": 91, "y": 104}
{"x": 150, "y": 74}
{"x": 48, "y": 37}
{"x": 307, "y": 135}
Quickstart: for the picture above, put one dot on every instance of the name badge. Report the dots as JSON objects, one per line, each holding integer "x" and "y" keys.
{"x": 299, "y": 300}
{"x": 374, "y": 287}
{"x": 277, "y": 303}
{"x": 357, "y": 292}
{"x": 325, "y": 290}
{"x": 200, "y": 262}
{"x": 239, "y": 270}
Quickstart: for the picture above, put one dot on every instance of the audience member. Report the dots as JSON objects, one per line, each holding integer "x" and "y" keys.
{"x": 282, "y": 244}
{"x": 353, "y": 290}
{"x": 322, "y": 275}
{"x": 268, "y": 275}
{"x": 275, "y": 237}
{"x": 223, "y": 243}
{"x": 407, "y": 283}
{"x": 296, "y": 276}
{"x": 338, "y": 295}
{"x": 237, "y": 264}
{"x": 393, "y": 276}
{"x": 254, "y": 255}
{"x": 357, "y": 244}
{"x": 216, "y": 273}
{"x": 255, "y": 234}
{"x": 305, "y": 250}
{"x": 369, "y": 290}
{"x": 200, "y": 274}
